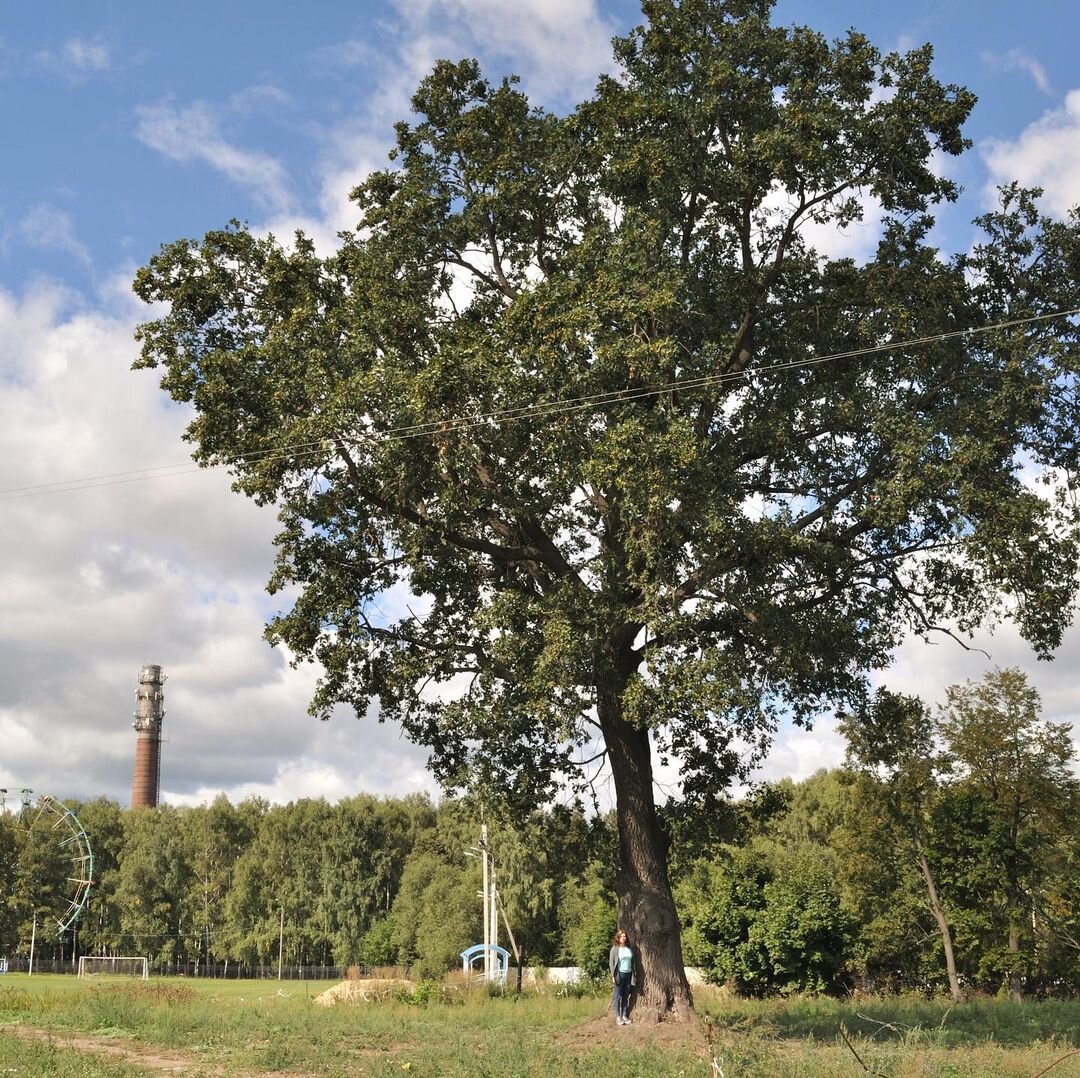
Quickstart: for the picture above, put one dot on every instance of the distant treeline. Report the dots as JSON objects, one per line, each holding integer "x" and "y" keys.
{"x": 953, "y": 831}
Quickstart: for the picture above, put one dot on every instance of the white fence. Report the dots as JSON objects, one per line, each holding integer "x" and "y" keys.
{"x": 573, "y": 975}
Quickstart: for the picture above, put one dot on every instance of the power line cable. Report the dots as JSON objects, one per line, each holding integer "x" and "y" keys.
{"x": 538, "y": 410}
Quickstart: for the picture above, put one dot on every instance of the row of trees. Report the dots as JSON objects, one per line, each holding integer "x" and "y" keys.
{"x": 944, "y": 855}
{"x": 367, "y": 880}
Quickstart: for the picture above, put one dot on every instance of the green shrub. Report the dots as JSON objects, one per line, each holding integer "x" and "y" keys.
{"x": 377, "y": 946}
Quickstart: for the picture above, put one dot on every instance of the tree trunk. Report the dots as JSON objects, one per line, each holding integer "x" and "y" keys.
{"x": 646, "y": 907}
{"x": 943, "y": 928}
{"x": 1016, "y": 980}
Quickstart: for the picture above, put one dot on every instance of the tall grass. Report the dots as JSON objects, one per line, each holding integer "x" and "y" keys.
{"x": 260, "y": 1027}
{"x": 903, "y": 1019}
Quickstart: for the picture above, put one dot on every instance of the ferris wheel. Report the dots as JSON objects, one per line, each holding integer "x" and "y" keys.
{"x": 65, "y": 855}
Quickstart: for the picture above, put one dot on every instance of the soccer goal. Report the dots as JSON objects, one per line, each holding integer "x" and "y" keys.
{"x": 96, "y": 965}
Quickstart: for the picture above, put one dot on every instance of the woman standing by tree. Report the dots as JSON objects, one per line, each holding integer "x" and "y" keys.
{"x": 621, "y": 964}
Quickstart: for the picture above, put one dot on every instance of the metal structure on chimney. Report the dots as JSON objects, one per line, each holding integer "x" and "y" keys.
{"x": 149, "y": 713}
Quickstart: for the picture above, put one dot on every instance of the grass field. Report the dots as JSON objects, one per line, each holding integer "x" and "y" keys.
{"x": 59, "y": 1026}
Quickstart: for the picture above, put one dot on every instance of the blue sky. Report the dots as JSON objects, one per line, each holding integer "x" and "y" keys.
{"x": 104, "y": 107}
{"x": 125, "y": 126}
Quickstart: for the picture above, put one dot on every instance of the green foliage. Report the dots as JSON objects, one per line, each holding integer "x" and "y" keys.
{"x": 216, "y": 835}
{"x": 803, "y": 932}
{"x": 1017, "y": 768}
{"x": 436, "y": 914}
{"x": 977, "y": 798}
{"x": 153, "y": 887}
{"x": 424, "y": 993}
{"x": 99, "y": 930}
{"x": 213, "y": 884}
{"x": 588, "y": 922}
{"x": 9, "y": 861}
{"x": 377, "y": 945}
{"x": 894, "y": 744}
{"x": 35, "y": 885}
{"x": 817, "y": 888}
{"x": 765, "y": 919}
{"x": 533, "y": 856}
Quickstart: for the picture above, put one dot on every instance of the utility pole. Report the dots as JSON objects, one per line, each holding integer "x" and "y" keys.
{"x": 493, "y": 913}
{"x": 280, "y": 941}
{"x": 487, "y": 902}
{"x": 492, "y": 907}
{"x": 513, "y": 943}
{"x": 33, "y": 938}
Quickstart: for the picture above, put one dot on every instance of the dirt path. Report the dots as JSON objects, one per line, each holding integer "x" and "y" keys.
{"x": 149, "y": 1059}
{"x": 603, "y": 1030}
{"x": 153, "y": 1061}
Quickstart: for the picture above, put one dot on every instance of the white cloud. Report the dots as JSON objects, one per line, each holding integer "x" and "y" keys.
{"x": 1045, "y": 154}
{"x": 77, "y": 58}
{"x": 346, "y": 54}
{"x": 97, "y": 581}
{"x": 857, "y": 240}
{"x": 557, "y": 46}
{"x": 798, "y": 753}
{"x": 349, "y": 764}
{"x": 261, "y": 98}
{"x": 926, "y": 669}
{"x": 49, "y": 227}
{"x": 1017, "y": 60}
{"x": 347, "y": 162}
{"x": 81, "y": 55}
{"x": 192, "y": 133}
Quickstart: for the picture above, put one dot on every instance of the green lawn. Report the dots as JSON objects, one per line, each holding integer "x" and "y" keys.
{"x": 261, "y": 1027}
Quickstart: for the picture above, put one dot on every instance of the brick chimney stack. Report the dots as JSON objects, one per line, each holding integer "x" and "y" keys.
{"x": 149, "y": 711}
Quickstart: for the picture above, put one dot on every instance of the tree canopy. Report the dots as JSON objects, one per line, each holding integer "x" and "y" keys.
{"x": 578, "y": 444}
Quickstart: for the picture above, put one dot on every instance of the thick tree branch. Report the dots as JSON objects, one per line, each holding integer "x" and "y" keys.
{"x": 456, "y": 259}
{"x": 484, "y": 662}
{"x": 506, "y": 555}
{"x": 858, "y": 483}
{"x": 505, "y": 286}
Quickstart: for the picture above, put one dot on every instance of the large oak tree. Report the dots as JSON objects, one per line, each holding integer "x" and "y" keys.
{"x": 568, "y": 384}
